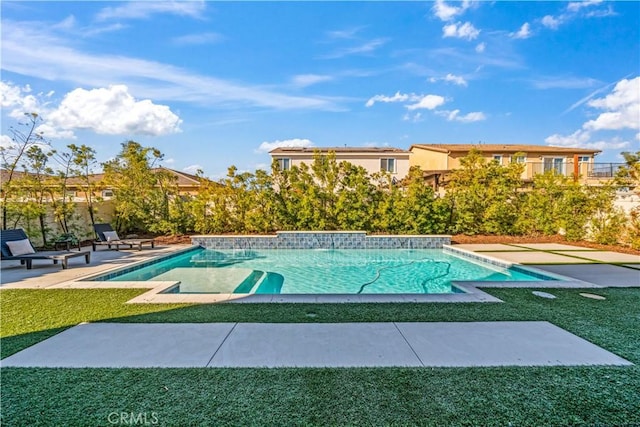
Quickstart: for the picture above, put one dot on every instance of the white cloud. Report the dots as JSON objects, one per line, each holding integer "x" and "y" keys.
{"x": 6, "y": 142}
{"x": 577, "y": 5}
{"x": 481, "y": 47}
{"x": 398, "y": 97}
{"x": 582, "y": 139}
{"x": 523, "y": 33}
{"x": 551, "y": 22}
{"x": 460, "y": 81}
{"x": 198, "y": 39}
{"x": 266, "y": 146}
{"x": 622, "y": 107}
{"x": 454, "y": 115}
{"x": 112, "y": 111}
{"x": 169, "y": 161}
{"x": 344, "y": 34}
{"x": 192, "y": 169}
{"x": 465, "y": 31}
{"x": 304, "y": 80}
{"x": 19, "y": 100}
{"x": 622, "y": 111}
{"x": 144, "y": 9}
{"x": 428, "y": 102}
{"x": 577, "y": 139}
{"x": 446, "y": 12}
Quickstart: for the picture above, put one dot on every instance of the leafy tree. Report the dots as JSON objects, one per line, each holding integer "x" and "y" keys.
{"x": 140, "y": 194}
{"x": 484, "y": 195}
{"x": 356, "y": 200}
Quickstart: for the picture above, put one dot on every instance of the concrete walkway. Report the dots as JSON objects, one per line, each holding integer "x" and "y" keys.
{"x": 445, "y": 344}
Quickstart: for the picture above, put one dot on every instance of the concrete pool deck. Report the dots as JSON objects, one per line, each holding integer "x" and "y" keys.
{"x": 276, "y": 345}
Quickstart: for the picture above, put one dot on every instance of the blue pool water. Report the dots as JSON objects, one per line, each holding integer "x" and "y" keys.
{"x": 422, "y": 271}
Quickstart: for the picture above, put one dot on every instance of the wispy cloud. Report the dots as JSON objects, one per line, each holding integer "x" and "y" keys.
{"x": 304, "y": 80}
{"x": 563, "y": 82}
{"x": 348, "y": 33}
{"x": 455, "y": 115}
{"x": 198, "y": 39}
{"x": 364, "y": 48}
{"x": 30, "y": 50}
{"x": 145, "y": 9}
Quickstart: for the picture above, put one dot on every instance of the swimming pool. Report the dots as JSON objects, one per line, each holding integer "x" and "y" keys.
{"x": 318, "y": 271}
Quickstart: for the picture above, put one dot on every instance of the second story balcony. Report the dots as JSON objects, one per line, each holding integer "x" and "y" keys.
{"x": 584, "y": 170}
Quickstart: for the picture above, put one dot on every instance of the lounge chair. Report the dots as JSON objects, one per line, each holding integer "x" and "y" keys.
{"x": 106, "y": 235}
{"x": 16, "y": 245}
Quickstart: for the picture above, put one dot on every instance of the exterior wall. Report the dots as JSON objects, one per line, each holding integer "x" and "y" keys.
{"x": 369, "y": 162}
{"x": 534, "y": 163}
{"x": 322, "y": 240}
{"x": 429, "y": 160}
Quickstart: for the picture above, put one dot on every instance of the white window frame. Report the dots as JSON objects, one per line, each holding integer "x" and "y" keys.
{"x": 108, "y": 190}
{"x": 384, "y": 165}
{"x": 284, "y": 163}
{"x": 498, "y": 158}
{"x": 518, "y": 159}
{"x": 584, "y": 159}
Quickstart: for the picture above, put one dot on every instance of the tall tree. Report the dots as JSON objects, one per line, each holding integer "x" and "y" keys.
{"x": 84, "y": 163}
{"x": 22, "y": 139}
{"x": 136, "y": 194}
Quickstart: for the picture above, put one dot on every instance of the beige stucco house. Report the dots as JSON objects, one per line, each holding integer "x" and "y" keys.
{"x": 436, "y": 160}
{"x": 373, "y": 159}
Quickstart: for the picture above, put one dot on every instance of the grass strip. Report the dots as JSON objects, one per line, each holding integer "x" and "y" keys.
{"x": 384, "y": 396}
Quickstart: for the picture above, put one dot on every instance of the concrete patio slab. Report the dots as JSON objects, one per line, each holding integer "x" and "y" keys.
{"x": 133, "y": 345}
{"x": 453, "y": 344}
{"x": 534, "y": 257}
{"x": 46, "y": 274}
{"x": 488, "y": 247}
{"x": 603, "y": 256}
{"x": 550, "y": 247}
{"x": 314, "y": 345}
{"x": 600, "y": 274}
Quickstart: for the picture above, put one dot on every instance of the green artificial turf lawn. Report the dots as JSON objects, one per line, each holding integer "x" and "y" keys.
{"x": 519, "y": 396}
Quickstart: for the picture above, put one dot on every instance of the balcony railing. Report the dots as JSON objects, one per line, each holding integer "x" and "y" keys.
{"x": 585, "y": 170}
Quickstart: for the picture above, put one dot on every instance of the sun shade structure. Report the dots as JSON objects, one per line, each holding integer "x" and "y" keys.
{"x": 106, "y": 235}
{"x": 16, "y": 245}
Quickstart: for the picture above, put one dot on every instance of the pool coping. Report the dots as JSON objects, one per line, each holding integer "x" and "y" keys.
{"x": 471, "y": 289}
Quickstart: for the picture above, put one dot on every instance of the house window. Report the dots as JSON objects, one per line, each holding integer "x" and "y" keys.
{"x": 388, "y": 165}
{"x": 284, "y": 164}
{"x": 584, "y": 159}
{"x": 498, "y": 158}
{"x": 555, "y": 164}
{"x": 107, "y": 193}
{"x": 519, "y": 159}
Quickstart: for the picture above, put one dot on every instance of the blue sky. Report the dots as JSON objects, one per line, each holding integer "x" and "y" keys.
{"x": 213, "y": 84}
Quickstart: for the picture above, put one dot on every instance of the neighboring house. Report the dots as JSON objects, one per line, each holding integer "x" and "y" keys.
{"x": 188, "y": 184}
{"x": 437, "y": 160}
{"x": 373, "y": 159}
